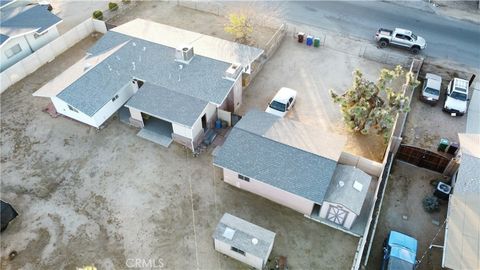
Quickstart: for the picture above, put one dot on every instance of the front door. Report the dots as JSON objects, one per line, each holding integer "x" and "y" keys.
{"x": 204, "y": 122}
{"x": 337, "y": 214}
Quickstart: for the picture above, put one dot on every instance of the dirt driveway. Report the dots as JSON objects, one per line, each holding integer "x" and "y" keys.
{"x": 407, "y": 186}
{"x": 102, "y": 197}
{"x": 313, "y": 72}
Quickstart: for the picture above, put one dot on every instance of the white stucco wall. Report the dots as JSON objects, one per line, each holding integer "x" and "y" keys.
{"x": 248, "y": 258}
{"x": 101, "y": 115}
{"x": 6, "y": 62}
{"x": 62, "y": 107}
{"x": 272, "y": 193}
{"x": 136, "y": 114}
{"x": 37, "y": 43}
{"x": 182, "y": 130}
{"x": 124, "y": 94}
{"x": 237, "y": 93}
{"x": 210, "y": 111}
{"x": 350, "y": 217}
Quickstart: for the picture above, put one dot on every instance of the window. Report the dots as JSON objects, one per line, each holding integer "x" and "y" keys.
{"x": 114, "y": 98}
{"x": 39, "y": 35}
{"x": 72, "y": 109}
{"x": 238, "y": 250}
{"x": 13, "y": 51}
{"x": 244, "y": 178}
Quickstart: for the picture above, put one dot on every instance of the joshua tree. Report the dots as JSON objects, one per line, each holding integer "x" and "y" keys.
{"x": 370, "y": 105}
{"x": 240, "y": 26}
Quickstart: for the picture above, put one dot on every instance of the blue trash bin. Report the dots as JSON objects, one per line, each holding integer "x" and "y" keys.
{"x": 218, "y": 124}
{"x": 309, "y": 40}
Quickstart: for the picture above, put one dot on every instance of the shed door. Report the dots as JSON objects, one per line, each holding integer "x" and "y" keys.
{"x": 337, "y": 214}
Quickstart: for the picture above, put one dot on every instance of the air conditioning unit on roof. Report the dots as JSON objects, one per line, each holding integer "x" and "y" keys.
{"x": 184, "y": 54}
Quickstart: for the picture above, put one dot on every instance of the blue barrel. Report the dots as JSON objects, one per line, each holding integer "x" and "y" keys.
{"x": 218, "y": 123}
{"x": 309, "y": 40}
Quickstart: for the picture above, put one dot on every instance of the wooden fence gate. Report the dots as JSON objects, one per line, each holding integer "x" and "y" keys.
{"x": 422, "y": 158}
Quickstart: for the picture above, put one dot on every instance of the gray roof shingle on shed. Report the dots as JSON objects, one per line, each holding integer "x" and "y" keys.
{"x": 168, "y": 105}
{"x": 288, "y": 168}
{"x": 345, "y": 193}
{"x": 203, "y": 78}
{"x": 244, "y": 233}
{"x": 20, "y": 20}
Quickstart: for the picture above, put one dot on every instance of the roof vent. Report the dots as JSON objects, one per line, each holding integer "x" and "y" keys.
{"x": 254, "y": 241}
{"x": 341, "y": 183}
{"x": 228, "y": 233}
{"x": 358, "y": 186}
{"x": 233, "y": 71}
{"x": 184, "y": 54}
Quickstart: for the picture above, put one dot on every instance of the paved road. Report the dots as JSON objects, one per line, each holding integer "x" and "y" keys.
{"x": 446, "y": 38}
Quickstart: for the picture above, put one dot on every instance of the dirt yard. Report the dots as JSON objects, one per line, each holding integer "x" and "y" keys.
{"x": 427, "y": 124}
{"x": 189, "y": 19}
{"x": 104, "y": 197}
{"x": 313, "y": 72}
{"x": 402, "y": 211}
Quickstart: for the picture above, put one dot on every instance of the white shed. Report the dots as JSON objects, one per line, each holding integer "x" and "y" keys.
{"x": 243, "y": 241}
{"x": 345, "y": 196}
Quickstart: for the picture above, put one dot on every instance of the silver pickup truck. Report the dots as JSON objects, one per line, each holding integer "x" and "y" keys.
{"x": 400, "y": 37}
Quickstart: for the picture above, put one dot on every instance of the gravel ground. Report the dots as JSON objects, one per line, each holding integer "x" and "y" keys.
{"x": 407, "y": 186}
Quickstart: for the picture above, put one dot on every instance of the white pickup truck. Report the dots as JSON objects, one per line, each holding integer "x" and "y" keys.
{"x": 400, "y": 37}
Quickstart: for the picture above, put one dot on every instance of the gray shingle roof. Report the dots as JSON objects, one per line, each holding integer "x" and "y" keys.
{"x": 285, "y": 167}
{"x": 347, "y": 195}
{"x": 168, "y": 105}
{"x": 202, "y": 78}
{"x": 244, "y": 233}
{"x": 16, "y": 21}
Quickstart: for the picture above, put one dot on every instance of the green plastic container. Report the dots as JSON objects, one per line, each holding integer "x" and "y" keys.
{"x": 316, "y": 42}
{"x": 442, "y": 146}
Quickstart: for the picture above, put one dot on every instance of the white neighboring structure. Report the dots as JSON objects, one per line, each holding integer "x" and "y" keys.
{"x": 462, "y": 231}
{"x": 345, "y": 196}
{"x": 23, "y": 30}
{"x": 243, "y": 241}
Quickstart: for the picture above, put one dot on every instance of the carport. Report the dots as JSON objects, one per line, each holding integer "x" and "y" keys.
{"x": 165, "y": 115}
{"x": 156, "y": 130}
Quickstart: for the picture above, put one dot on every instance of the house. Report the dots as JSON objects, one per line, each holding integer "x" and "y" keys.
{"x": 243, "y": 241}
{"x": 173, "y": 93}
{"x": 23, "y": 30}
{"x": 462, "y": 231}
{"x": 295, "y": 165}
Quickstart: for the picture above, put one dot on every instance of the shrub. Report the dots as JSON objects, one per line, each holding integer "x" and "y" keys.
{"x": 112, "y": 6}
{"x": 126, "y": 1}
{"x": 430, "y": 204}
{"x": 97, "y": 14}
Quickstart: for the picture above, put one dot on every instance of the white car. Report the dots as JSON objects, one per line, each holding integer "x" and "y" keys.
{"x": 431, "y": 89}
{"x": 282, "y": 102}
{"x": 457, "y": 97}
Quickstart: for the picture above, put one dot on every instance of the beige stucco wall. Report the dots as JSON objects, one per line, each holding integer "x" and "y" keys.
{"x": 272, "y": 193}
{"x": 248, "y": 258}
{"x": 350, "y": 216}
